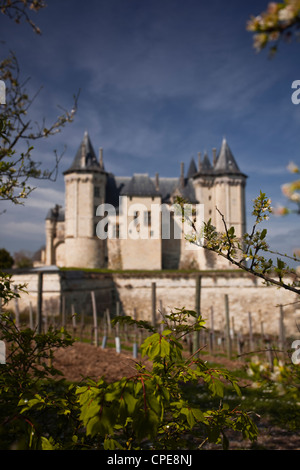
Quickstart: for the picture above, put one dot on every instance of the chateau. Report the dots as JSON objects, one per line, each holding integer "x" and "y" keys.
{"x": 72, "y": 233}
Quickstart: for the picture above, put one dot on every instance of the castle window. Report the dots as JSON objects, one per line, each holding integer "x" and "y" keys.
{"x": 96, "y": 191}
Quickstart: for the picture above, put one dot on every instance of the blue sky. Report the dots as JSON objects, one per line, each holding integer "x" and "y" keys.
{"x": 160, "y": 81}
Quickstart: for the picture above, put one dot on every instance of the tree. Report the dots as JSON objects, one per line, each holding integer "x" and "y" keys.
{"x": 21, "y": 9}
{"x": 291, "y": 191}
{"x": 280, "y": 21}
{"x": 6, "y": 260}
{"x": 16, "y": 129}
{"x": 17, "y": 133}
{"x": 23, "y": 259}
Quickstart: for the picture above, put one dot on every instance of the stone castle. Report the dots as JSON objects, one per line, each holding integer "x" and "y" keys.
{"x": 71, "y": 232}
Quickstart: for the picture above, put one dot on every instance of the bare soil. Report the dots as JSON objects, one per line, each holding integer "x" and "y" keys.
{"x": 83, "y": 360}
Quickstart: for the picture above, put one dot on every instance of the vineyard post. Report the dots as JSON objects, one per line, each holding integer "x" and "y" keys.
{"x": 117, "y": 330}
{"x": 212, "y": 331}
{"x": 45, "y": 320}
{"x": 135, "y": 344}
{"x": 262, "y": 334}
{"x": 153, "y": 296}
{"x": 40, "y": 302}
{"x": 197, "y": 309}
{"x": 74, "y": 325}
{"x": 30, "y": 316}
{"x": 108, "y": 321}
{"x": 63, "y": 311}
{"x": 17, "y": 310}
{"x": 104, "y": 339}
{"x": 281, "y": 329}
{"x": 251, "y": 344}
{"x": 228, "y": 337}
{"x": 240, "y": 343}
{"x": 95, "y": 320}
{"x": 82, "y": 323}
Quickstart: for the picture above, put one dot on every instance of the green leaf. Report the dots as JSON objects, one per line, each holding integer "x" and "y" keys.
{"x": 46, "y": 444}
{"x": 263, "y": 234}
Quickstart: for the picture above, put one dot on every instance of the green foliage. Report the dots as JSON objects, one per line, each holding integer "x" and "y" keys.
{"x": 32, "y": 404}
{"x": 149, "y": 410}
{"x": 250, "y": 252}
{"x": 6, "y": 260}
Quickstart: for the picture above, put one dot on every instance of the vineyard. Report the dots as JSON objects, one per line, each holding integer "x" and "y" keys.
{"x": 213, "y": 389}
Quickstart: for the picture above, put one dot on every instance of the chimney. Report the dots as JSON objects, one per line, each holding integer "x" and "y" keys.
{"x": 214, "y": 150}
{"x": 101, "y": 158}
{"x": 157, "y": 181}
{"x": 182, "y": 174}
{"x": 199, "y": 161}
{"x": 83, "y": 162}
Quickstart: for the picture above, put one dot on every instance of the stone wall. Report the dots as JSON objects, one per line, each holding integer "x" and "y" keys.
{"x": 173, "y": 290}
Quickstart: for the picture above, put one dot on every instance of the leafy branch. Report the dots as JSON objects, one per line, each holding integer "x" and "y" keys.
{"x": 17, "y": 168}
{"x": 249, "y": 252}
{"x": 280, "y": 21}
{"x": 18, "y": 9}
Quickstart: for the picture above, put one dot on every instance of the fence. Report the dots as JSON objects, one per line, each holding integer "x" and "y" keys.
{"x": 96, "y": 327}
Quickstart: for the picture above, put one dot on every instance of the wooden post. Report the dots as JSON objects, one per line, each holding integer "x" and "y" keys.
{"x": 262, "y": 334}
{"x": 40, "y": 302}
{"x": 17, "y": 310}
{"x": 269, "y": 353}
{"x": 240, "y": 343}
{"x": 117, "y": 330}
{"x": 196, "y": 339}
{"x": 104, "y": 339}
{"x": 82, "y": 324}
{"x": 153, "y": 298}
{"x": 161, "y": 311}
{"x": 30, "y": 316}
{"x": 45, "y": 320}
{"x": 211, "y": 331}
{"x": 63, "y": 312}
{"x": 227, "y": 327}
{"x": 135, "y": 343}
{"x": 74, "y": 325}
{"x": 108, "y": 321}
{"x": 281, "y": 329}
{"x": 251, "y": 346}
{"x": 95, "y": 318}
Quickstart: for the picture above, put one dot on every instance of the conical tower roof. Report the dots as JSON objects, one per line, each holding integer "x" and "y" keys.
{"x": 85, "y": 158}
{"x": 192, "y": 169}
{"x": 226, "y": 163}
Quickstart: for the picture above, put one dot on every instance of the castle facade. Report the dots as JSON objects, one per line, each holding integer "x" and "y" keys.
{"x": 116, "y": 222}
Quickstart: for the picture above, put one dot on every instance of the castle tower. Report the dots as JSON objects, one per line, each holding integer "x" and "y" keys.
{"x": 85, "y": 183}
{"x": 220, "y": 185}
{"x": 229, "y": 191}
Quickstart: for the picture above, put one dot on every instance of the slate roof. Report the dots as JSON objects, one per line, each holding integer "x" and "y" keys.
{"x": 192, "y": 169}
{"x": 91, "y": 163}
{"x": 145, "y": 186}
{"x": 226, "y": 163}
{"x": 140, "y": 185}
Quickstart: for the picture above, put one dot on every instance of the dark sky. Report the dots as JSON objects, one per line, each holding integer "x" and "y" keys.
{"x": 160, "y": 81}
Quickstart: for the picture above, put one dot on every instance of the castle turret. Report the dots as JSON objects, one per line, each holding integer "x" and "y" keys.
{"x": 221, "y": 185}
{"x": 230, "y": 191}
{"x": 85, "y": 183}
